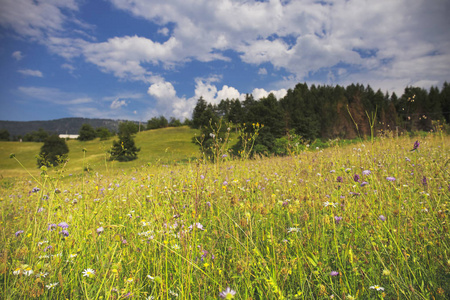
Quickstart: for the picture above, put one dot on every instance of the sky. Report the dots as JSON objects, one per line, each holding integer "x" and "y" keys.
{"x": 138, "y": 59}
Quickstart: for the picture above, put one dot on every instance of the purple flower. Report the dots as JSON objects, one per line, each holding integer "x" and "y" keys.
{"x": 364, "y": 183}
{"x": 19, "y": 232}
{"x": 225, "y": 182}
{"x": 366, "y": 172}
{"x": 339, "y": 179}
{"x": 64, "y": 232}
{"x": 63, "y": 225}
{"x": 424, "y": 181}
{"x": 223, "y": 156}
{"x": 337, "y": 219}
{"x": 100, "y": 230}
{"x": 51, "y": 227}
{"x": 382, "y": 218}
{"x": 390, "y": 178}
{"x": 356, "y": 177}
{"x": 416, "y": 146}
{"x": 48, "y": 248}
{"x": 334, "y": 273}
{"x": 35, "y": 190}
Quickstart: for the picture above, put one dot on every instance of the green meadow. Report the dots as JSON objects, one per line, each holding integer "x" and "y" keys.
{"x": 360, "y": 221}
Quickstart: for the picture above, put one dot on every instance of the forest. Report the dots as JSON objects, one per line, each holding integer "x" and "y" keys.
{"x": 328, "y": 112}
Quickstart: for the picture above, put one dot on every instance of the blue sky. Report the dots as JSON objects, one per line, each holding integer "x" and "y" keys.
{"x": 136, "y": 59}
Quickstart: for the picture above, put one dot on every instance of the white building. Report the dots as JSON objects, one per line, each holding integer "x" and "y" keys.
{"x": 69, "y": 136}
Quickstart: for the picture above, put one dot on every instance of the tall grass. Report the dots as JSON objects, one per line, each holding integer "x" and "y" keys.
{"x": 295, "y": 227}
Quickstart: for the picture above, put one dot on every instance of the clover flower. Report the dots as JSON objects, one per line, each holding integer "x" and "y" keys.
{"x": 339, "y": 179}
{"x": 356, "y": 177}
{"x": 227, "y": 293}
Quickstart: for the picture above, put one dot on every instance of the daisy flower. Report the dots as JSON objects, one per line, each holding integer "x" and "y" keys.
{"x": 227, "y": 293}
{"x": 28, "y": 271}
{"x": 51, "y": 285}
{"x": 377, "y": 287}
{"x": 89, "y": 273}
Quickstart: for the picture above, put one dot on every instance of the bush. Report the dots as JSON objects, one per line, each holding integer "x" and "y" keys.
{"x": 53, "y": 151}
{"x": 86, "y": 133}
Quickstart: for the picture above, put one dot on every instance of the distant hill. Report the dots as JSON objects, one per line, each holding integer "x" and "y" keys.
{"x": 60, "y": 126}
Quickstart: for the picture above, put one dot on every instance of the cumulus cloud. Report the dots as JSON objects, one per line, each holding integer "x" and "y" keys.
{"x": 29, "y": 72}
{"x": 169, "y": 104}
{"x": 262, "y": 93}
{"x": 262, "y": 71}
{"x": 117, "y": 103}
{"x": 124, "y": 56}
{"x": 17, "y": 55}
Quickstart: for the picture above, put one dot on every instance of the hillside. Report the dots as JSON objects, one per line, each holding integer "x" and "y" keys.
{"x": 162, "y": 146}
{"x": 60, "y": 126}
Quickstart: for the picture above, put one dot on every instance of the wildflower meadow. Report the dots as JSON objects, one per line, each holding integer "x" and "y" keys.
{"x": 363, "y": 221}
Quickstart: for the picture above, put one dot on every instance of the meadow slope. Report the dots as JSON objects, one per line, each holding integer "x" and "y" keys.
{"x": 366, "y": 221}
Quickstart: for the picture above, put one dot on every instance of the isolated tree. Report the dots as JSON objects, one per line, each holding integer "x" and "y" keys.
{"x": 103, "y": 133}
{"x": 53, "y": 151}
{"x": 125, "y": 149}
{"x": 86, "y": 133}
{"x": 4, "y": 135}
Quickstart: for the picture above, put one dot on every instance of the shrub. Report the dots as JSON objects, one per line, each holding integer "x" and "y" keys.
{"x": 53, "y": 151}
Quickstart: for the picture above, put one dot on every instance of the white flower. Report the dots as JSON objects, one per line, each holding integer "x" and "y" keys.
{"x": 150, "y": 277}
{"x": 17, "y": 271}
{"x": 51, "y": 285}
{"x": 326, "y": 203}
{"x": 41, "y": 274}
{"x": 377, "y": 287}
{"x": 293, "y": 229}
{"x": 173, "y": 293}
{"x": 28, "y": 271}
{"x": 89, "y": 273}
{"x": 176, "y": 247}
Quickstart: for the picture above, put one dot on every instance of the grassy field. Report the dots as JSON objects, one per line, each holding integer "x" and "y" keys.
{"x": 364, "y": 221}
{"x": 166, "y": 145}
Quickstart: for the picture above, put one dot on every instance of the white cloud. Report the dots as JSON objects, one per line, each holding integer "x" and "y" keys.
{"x": 262, "y": 93}
{"x": 117, "y": 103}
{"x": 35, "y": 19}
{"x": 53, "y": 95}
{"x": 170, "y": 105}
{"x": 68, "y": 67}
{"x": 164, "y": 31}
{"x": 262, "y": 71}
{"x": 124, "y": 56}
{"x": 29, "y": 72}
{"x": 17, "y": 55}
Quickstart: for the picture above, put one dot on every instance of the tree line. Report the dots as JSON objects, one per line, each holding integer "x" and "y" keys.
{"x": 325, "y": 112}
